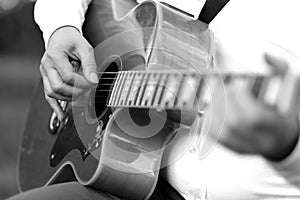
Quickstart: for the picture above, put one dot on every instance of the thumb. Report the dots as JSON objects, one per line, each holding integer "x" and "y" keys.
{"x": 278, "y": 65}
{"x": 88, "y": 64}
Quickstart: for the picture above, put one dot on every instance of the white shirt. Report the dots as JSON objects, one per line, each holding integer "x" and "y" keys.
{"x": 224, "y": 174}
{"x": 53, "y": 14}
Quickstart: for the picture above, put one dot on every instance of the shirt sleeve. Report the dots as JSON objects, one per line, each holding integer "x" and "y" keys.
{"x": 290, "y": 166}
{"x": 53, "y": 14}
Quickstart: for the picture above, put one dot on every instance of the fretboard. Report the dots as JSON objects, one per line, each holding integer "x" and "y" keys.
{"x": 185, "y": 90}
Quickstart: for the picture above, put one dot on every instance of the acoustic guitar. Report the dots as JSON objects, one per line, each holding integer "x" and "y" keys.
{"x": 154, "y": 84}
{"x": 119, "y": 149}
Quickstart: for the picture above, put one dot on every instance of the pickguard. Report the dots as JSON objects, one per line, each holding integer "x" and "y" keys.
{"x": 79, "y": 134}
{"x": 67, "y": 140}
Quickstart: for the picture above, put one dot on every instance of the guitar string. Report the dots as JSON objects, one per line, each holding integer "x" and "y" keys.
{"x": 106, "y": 96}
{"x": 201, "y": 75}
{"x": 182, "y": 75}
{"x": 187, "y": 72}
{"x": 153, "y": 82}
{"x": 145, "y": 84}
{"x": 102, "y": 90}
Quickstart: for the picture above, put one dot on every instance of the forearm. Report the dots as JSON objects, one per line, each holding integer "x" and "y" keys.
{"x": 53, "y": 14}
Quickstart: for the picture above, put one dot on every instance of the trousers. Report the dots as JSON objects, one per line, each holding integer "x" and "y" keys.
{"x": 73, "y": 190}
{"x": 64, "y": 191}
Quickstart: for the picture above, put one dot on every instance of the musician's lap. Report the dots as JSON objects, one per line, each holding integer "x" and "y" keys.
{"x": 64, "y": 191}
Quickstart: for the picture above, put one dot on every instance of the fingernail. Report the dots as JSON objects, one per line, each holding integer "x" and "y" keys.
{"x": 94, "y": 77}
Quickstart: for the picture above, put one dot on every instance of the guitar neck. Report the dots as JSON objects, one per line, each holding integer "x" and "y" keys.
{"x": 185, "y": 90}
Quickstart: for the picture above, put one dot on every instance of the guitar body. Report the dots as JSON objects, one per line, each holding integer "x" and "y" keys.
{"x": 36, "y": 170}
{"x": 118, "y": 151}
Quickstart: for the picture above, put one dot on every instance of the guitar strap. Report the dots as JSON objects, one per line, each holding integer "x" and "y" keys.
{"x": 211, "y": 9}
{"x": 93, "y": 28}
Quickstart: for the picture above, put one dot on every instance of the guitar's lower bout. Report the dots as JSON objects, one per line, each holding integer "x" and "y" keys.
{"x": 49, "y": 146}
{"x": 44, "y": 156}
{"x": 108, "y": 154}
{"x": 132, "y": 153}
{"x": 136, "y": 170}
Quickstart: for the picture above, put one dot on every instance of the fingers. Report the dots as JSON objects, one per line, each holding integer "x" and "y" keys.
{"x": 241, "y": 108}
{"x": 89, "y": 67}
{"x": 59, "y": 87}
{"x": 50, "y": 97}
{"x": 278, "y": 66}
{"x": 56, "y": 86}
{"x": 60, "y": 78}
{"x": 57, "y": 90}
{"x": 48, "y": 89}
{"x": 69, "y": 75}
{"x": 55, "y": 106}
{"x": 60, "y": 62}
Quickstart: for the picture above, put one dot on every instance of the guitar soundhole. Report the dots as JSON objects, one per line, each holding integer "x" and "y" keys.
{"x": 98, "y": 104}
{"x": 104, "y": 88}
{"x": 98, "y": 101}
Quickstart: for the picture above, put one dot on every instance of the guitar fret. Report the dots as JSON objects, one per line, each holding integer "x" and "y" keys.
{"x": 199, "y": 90}
{"x": 118, "y": 85}
{"x": 126, "y": 87}
{"x": 149, "y": 90}
{"x": 156, "y": 94}
{"x": 256, "y": 86}
{"x": 140, "y": 90}
{"x": 186, "y": 97}
{"x": 165, "y": 89}
{"x": 170, "y": 91}
{"x": 157, "y": 78}
{"x": 132, "y": 80}
{"x": 177, "y": 95}
{"x": 160, "y": 89}
{"x": 144, "y": 86}
{"x": 115, "y": 88}
{"x": 135, "y": 89}
{"x": 119, "y": 91}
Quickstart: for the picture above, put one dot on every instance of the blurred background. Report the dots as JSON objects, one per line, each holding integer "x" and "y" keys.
{"x": 21, "y": 48}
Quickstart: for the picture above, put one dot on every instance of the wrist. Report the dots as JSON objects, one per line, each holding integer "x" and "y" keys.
{"x": 67, "y": 29}
{"x": 285, "y": 145}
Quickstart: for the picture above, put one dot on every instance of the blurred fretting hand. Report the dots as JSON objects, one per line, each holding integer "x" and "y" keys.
{"x": 251, "y": 127}
{"x": 59, "y": 74}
